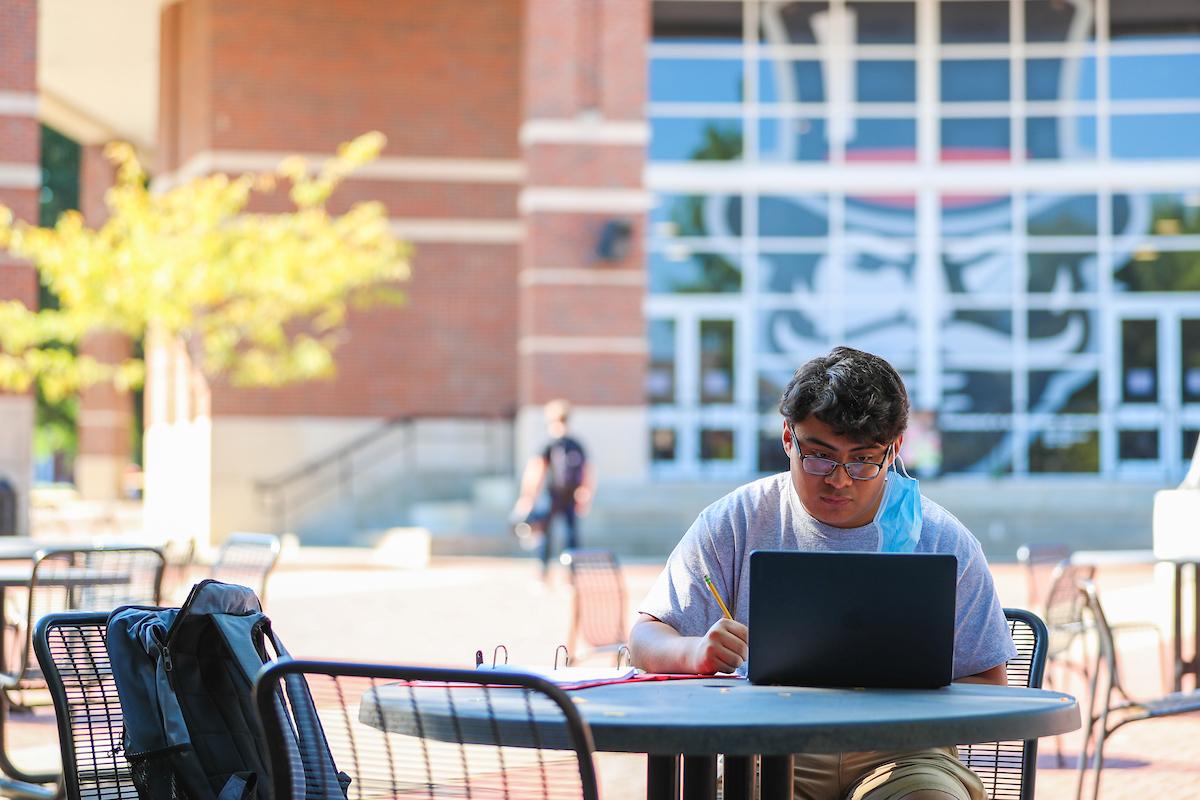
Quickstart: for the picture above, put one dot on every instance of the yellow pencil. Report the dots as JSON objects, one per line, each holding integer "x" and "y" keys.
{"x": 708, "y": 582}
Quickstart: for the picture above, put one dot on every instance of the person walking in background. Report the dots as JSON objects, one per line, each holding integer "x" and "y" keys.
{"x": 563, "y": 469}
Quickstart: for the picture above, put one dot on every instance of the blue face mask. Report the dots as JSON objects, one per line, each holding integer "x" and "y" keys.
{"x": 899, "y": 514}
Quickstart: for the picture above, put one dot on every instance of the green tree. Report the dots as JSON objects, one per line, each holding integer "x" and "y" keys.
{"x": 259, "y": 299}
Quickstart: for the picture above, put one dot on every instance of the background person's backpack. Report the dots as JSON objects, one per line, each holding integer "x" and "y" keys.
{"x": 185, "y": 677}
{"x": 566, "y": 461}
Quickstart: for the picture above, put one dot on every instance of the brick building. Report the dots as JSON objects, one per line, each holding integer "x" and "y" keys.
{"x": 657, "y": 209}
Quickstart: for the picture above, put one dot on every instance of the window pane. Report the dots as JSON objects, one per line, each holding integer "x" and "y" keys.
{"x": 771, "y": 455}
{"x": 708, "y": 22}
{"x": 694, "y": 80}
{"x": 983, "y": 452}
{"x": 792, "y": 139}
{"x": 1062, "y": 215}
{"x": 972, "y": 81}
{"x": 972, "y": 332}
{"x": 793, "y": 333}
{"x": 662, "y": 444}
{"x": 1139, "y": 360}
{"x": 1139, "y": 445}
{"x": 878, "y": 272}
{"x": 716, "y": 445}
{"x": 1163, "y": 214}
{"x": 1060, "y": 79}
{"x": 782, "y": 80}
{"x": 785, "y": 273}
{"x": 883, "y": 140}
{"x": 1190, "y": 437}
{"x": 890, "y": 332}
{"x": 793, "y": 216}
{"x": 974, "y": 21}
{"x": 972, "y": 270}
{"x": 975, "y": 392}
{"x": 1069, "y": 138}
{"x": 1175, "y": 76}
{"x": 1148, "y": 19}
{"x": 972, "y": 215}
{"x": 1058, "y": 450}
{"x": 893, "y": 215}
{"x": 886, "y": 82}
{"x": 684, "y": 272}
{"x": 885, "y": 23}
{"x": 792, "y": 23}
{"x": 1137, "y": 136}
{"x": 975, "y": 139}
{"x": 660, "y": 377}
{"x": 771, "y": 383}
{"x": 1189, "y": 337}
{"x": 716, "y": 361}
{"x": 1055, "y": 21}
{"x": 689, "y": 139}
{"x": 1150, "y": 270}
{"x": 1062, "y": 273}
{"x": 1064, "y": 391}
{"x": 677, "y": 215}
{"x": 1063, "y": 332}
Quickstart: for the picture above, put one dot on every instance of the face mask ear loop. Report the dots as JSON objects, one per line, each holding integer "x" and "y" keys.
{"x": 900, "y": 461}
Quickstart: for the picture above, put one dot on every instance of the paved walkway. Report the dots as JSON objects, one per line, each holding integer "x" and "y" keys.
{"x": 442, "y": 614}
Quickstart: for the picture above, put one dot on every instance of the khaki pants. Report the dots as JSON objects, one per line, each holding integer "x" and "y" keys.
{"x": 884, "y": 775}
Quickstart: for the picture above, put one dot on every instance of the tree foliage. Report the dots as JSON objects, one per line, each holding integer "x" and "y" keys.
{"x": 258, "y": 298}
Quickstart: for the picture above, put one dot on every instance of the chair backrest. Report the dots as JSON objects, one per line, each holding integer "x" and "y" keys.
{"x": 247, "y": 559}
{"x": 88, "y": 579}
{"x": 598, "y": 612}
{"x": 448, "y": 732}
{"x": 71, "y": 648}
{"x": 1008, "y": 769}
{"x": 1106, "y": 650}
{"x": 1064, "y": 606}
{"x": 1039, "y": 560}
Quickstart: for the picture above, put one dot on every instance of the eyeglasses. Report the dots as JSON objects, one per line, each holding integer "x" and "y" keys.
{"x": 824, "y": 467}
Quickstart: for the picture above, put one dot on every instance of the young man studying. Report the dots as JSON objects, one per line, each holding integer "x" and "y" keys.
{"x": 844, "y": 417}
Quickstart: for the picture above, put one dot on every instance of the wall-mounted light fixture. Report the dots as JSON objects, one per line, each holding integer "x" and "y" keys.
{"x": 612, "y": 244}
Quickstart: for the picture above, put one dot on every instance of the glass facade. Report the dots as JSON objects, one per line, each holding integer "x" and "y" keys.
{"x": 1002, "y": 197}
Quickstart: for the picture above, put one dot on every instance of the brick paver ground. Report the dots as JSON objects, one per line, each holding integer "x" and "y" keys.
{"x": 442, "y": 614}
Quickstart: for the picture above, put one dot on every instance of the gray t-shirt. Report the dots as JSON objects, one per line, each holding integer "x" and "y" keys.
{"x": 768, "y": 515}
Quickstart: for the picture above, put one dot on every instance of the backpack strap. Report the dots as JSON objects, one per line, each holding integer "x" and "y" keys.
{"x": 245, "y": 634}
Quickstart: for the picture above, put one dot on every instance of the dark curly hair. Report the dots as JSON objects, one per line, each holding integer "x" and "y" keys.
{"x": 858, "y": 395}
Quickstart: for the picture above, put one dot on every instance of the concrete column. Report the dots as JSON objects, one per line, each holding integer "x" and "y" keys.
{"x": 582, "y": 282}
{"x": 105, "y": 414}
{"x": 20, "y": 180}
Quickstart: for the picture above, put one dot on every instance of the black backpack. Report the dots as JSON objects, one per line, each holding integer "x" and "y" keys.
{"x": 185, "y": 677}
{"x": 565, "y": 466}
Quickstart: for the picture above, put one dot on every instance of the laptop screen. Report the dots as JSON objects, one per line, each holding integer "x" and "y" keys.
{"x": 877, "y": 620}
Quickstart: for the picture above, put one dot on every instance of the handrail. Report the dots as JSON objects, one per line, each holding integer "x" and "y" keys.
{"x": 341, "y": 461}
{"x": 317, "y": 463}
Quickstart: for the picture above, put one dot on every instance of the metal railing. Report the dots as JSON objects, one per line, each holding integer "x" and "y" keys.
{"x": 341, "y": 470}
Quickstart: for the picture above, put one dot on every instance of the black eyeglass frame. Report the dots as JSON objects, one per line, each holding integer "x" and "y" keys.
{"x": 879, "y": 467}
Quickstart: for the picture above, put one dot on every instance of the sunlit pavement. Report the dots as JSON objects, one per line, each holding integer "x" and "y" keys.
{"x": 443, "y": 614}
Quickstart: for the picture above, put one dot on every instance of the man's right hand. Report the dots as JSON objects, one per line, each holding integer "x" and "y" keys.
{"x": 722, "y": 649}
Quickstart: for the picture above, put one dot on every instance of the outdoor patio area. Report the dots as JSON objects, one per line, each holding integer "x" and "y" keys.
{"x": 333, "y": 604}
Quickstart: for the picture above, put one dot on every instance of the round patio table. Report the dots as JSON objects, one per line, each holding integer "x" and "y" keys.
{"x": 699, "y": 718}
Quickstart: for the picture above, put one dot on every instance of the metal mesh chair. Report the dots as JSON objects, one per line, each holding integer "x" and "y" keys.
{"x": 1117, "y": 707}
{"x": 82, "y": 579}
{"x": 598, "y": 606}
{"x": 71, "y": 649}
{"x": 1008, "y": 769}
{"x": 1039, "y": 560}
{"x": 247, "y": 559}
{"x": 410, "y": 732}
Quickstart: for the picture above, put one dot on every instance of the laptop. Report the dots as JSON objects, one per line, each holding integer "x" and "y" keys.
{"x": 872, "y": 620}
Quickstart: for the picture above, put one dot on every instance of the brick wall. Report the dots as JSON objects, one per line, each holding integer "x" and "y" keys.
{"x": 441, "y": 81}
